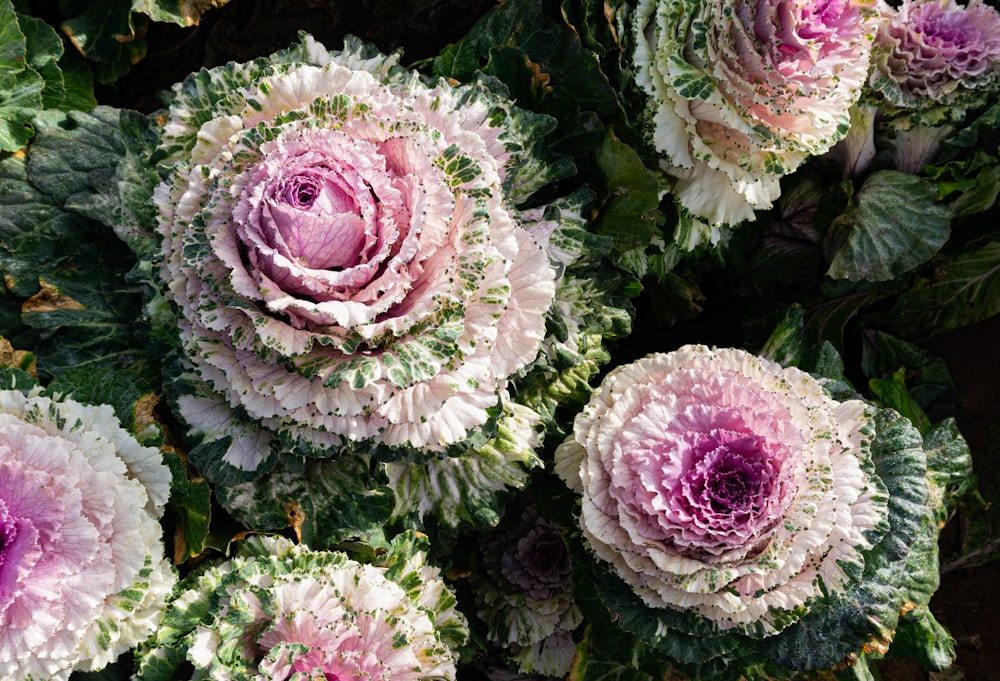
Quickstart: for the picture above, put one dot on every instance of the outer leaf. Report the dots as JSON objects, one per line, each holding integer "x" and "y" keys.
{"x": 629, "y": 213}
{"x": 966, "y": 290}
{"x": 896, "y": 225}
{"x": 891, "y": 392}
{"x": 191, "y": 504}
{"x": 546, "y": 68}
{"x": 44, "y": 48}
{"x": 324, "y": 501}
{"x": 180, "y": 12}
{"x": 927, "y": 378}
{"x": 103, "y": 31}
{"x": 20, "y": 86}
{"x": 66, "y": 275}
{"x": 98, "y": 165}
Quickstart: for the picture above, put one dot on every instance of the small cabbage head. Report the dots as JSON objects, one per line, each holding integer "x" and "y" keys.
{"x": 282, "y": 611}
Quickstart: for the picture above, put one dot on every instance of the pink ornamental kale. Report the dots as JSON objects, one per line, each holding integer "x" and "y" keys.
{"x": 719, "y": 482}
{"x": 741, "y": 92}
{"x": 937, "y": 52}
{"x": 82, "y": 570}
{"x": 340, "y": 242}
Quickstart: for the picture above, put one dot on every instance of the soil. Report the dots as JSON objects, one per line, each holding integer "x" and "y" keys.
{"x": 969, "y": 598}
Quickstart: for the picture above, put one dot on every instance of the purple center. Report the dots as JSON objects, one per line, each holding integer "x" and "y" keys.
{"x": 947, "y": 29}
{"x": 301, "y": 191}
{"x": 538, "y": 563}
{"x": 730, "y": 482}
{"x": 316, "y": 214}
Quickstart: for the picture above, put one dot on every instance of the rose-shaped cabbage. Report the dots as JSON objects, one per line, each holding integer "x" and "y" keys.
{"x": 931, "y": 53}
{"x": 343, "y": 256}
{"x": 720, "y": 482}
{"x": 525, "y": 595}
{"x": 82, "y": 568}
{"x": 279, "y": 611}
{"x": 741, "y": 92}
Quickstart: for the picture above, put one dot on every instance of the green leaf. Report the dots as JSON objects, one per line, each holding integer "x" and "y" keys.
{"x": 630, "y": 210}
{"x": 67, "y": 276}
{"x": 921, "y": 638}
{"x": 44, "y": 48}
{"x": 98, "y": 165}
{"x": 892, "y": 392}
{"x": 180, "y": 12}
{"x": 104, "y": 32}
{"x": 786, "y": 343}
{"x": 928, "y": 381}
{"x": 964, "y": 289}
{"x": 828, "y": 319}
{"x": 545, "y": 67}
{"x": 325, "y": 501}
{"x": 895, "y": 225}
{"x": 191, "y": 506}
{"x": 21, "y": 86}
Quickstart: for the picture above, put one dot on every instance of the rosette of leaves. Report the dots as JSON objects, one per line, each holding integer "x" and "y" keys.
{"x": 278, "y": 610}
{"x": 524, "y": 594}
{"x": 740, "y": 94}
{"x": 738, "y": 539}
{"x": 937, "y": 55}
{"x": 83, "y": 576}
{"x": 352, "y": 270}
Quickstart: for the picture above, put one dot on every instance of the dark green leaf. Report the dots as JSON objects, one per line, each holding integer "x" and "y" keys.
{"x": 895, "y": 225}
{"x": 325, "y": 501}
{"x": 964, "y": 289}
{"x": 891, "y": 392}
{"x": 180, "y": 12}
{"x": 104, "y": 32}
{"x": 629, "y": 212}
{"x": 786, "y": 343}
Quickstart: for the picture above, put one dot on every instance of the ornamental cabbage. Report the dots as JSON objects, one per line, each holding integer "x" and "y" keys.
{"x": 932, "y": 53}
{"x": 741, "y": 93}
{"x": 525, "y": 595}
{"x": 746, "y": 513}
{"x": 349, "y": 269}
{"x": 282, "y": 611}
{"x": 82, "y": 570}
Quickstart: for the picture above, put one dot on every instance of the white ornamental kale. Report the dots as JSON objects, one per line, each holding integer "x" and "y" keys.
{"x": 83, "y": 576}
{"x": 740, "y": 93}
{"x": 279, "y": 611}
{"x": 717, "y": 481}
{"x": 341, "y": 243}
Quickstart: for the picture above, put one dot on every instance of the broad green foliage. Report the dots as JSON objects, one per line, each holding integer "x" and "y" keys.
{"x": 894, "y": 224}
{"x": 34, "y": 75}
{"x": 65, "y": 273}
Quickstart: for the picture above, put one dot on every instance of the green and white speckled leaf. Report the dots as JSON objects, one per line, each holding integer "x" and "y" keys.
{"x": 468, "y": 487}
{"x": 330, "y": 500}
{"x": 590, "y": 308}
